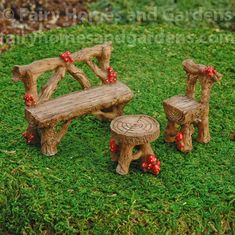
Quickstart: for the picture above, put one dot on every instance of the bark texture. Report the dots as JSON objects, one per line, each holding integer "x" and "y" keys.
{"x": 44, "y": 114}
{"x": 185, "y": 111}
{"x": 132, "y": 132}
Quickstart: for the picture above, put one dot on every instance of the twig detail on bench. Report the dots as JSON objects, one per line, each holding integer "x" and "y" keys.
{"x": 106, "y": 102}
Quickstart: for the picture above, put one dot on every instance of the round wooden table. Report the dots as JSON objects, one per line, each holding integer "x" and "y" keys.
{"x": 131, "y": 132}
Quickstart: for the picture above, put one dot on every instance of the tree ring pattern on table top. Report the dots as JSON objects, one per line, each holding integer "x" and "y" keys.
{"x": 135, "y": 126}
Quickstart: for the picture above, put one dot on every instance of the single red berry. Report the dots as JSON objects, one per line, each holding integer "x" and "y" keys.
{"x": 111, "y": 76}
{"x": 149, "y": 166}
{"x": 113, "y": 146}
{"x": 115, "y": 74}
{"x": 29, "y": 100}
{"x": 30, "y": 137}
{"x": 155, "y": 169}
{"x": 144, "y": 166}
{"x": 210, "y": 71}
{"x": 110, "y": 69}
{"x": 179, "y": 136}
{"x": 151, "y": 159}
{"x": 67, "y": 57}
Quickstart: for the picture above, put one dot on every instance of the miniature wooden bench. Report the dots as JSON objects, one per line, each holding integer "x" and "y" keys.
{"x": 131, "y": 132}
{"x": 186, "y": 111}
{"x": 43, "y": 115}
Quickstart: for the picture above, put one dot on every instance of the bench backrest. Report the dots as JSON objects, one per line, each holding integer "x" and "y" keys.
{"x": 29, "y": 74}
{"x": 206, "y": 75}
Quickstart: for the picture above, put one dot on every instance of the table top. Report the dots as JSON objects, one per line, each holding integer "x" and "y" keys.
{"x": 137, "y": 126}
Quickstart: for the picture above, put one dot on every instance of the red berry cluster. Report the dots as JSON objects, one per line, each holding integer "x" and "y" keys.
{"x": 29, "y": 100}
{"x": 210, "y": 71}
{"x": 151, "y": 164}
{"x": 113, "y": 146}
{"x": 67, "y": 57}
{"x": 179, "y": 140}
{"x": 112, "y": 75}
{"x": 28, "y": 137}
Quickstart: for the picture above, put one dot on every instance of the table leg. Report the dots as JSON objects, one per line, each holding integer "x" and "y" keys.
{"x": 147, "y": 150}
{"x": 125, "y": 159}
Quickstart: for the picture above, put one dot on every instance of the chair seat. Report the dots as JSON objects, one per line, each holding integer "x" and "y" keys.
{"x": 182, "y": 109}
{"x": 78, "y": 103}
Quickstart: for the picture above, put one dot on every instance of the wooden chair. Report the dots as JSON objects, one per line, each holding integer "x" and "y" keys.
{"x": 43, "y": 115}
{"x": 186, "y": 111}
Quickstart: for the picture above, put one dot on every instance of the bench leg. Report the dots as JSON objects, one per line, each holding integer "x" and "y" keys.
{"x": 50, "y": 138}
{"x": 32, "y": 131}
{"x": 48, "y": 141}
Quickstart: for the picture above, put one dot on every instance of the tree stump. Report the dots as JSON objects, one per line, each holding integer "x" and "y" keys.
{"x": 130, "y": 139}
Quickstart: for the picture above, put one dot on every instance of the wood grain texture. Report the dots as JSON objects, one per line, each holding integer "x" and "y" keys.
{"x": 129, "y": 132}
{"x": 135, "y": 129}
{"x": 79, "y": 103}
{"x": 79, "y": 75}
{"x": 186, "y": 111}
{"x": 106, "y": 101}
{"x": 84, "y": 55}
{"x": 182, "y": 109}
{"x": 51, "y": 85}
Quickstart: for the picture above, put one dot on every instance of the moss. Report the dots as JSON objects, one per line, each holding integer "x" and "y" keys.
{"x": 78, "y": 191}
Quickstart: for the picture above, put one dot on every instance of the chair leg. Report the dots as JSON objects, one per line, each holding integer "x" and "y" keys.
{"x": 170, "y": 132}
{"x": 126, "y": 156}
{"x": 187, "y": 131}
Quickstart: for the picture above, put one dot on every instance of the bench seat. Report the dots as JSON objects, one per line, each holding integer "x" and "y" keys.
{"x": 78, "y": 103}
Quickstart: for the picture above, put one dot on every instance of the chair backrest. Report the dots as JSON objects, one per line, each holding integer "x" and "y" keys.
{"x": 29, "y": 74}
{"x": 206, "y": 75}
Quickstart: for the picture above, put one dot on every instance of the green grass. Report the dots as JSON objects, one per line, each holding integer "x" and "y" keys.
{"x": 78, "y": 191}
{"x": 184, "y": 13}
